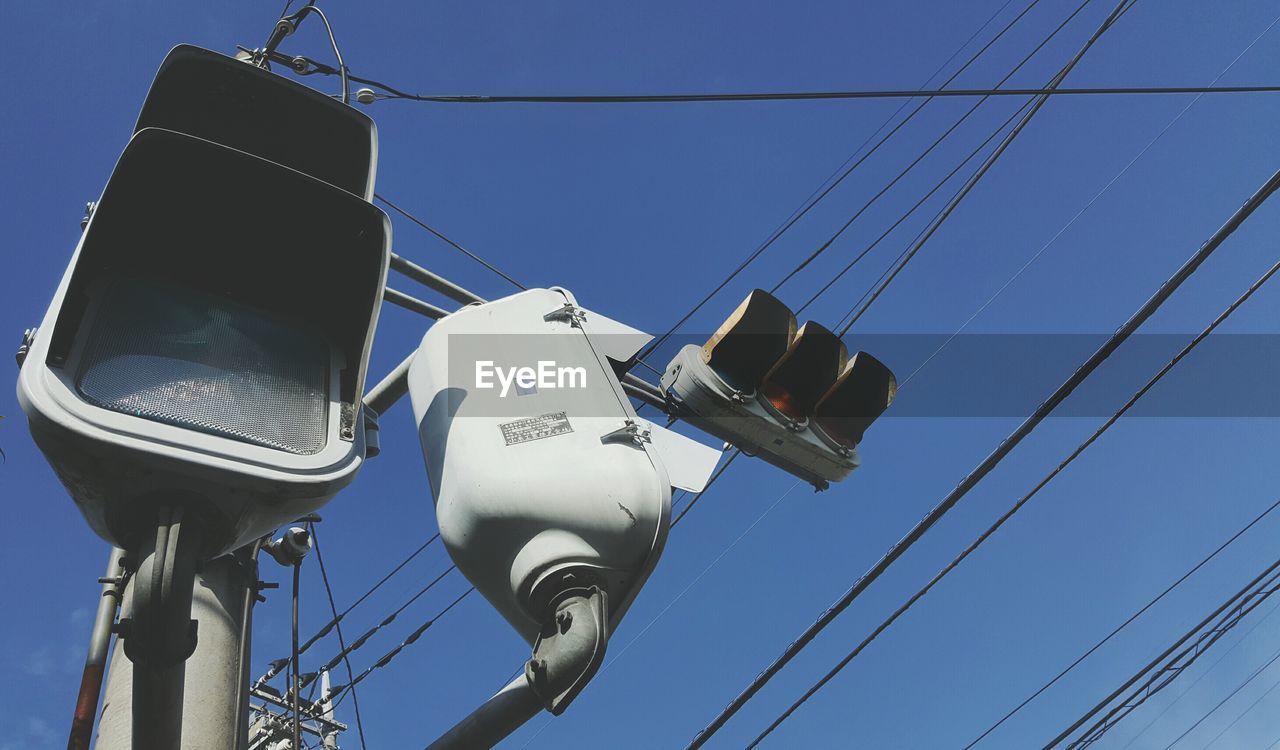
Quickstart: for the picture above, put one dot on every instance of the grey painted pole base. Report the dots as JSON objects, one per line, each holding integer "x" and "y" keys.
{"x": 205, "y": 693}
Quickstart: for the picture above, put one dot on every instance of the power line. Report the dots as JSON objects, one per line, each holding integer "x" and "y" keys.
{"x": 306, "y": 66}
{"x": 1105, "y": 188}
{"x": 448, "y": 241}
{"x": 826, "y": 95}
{"x": 328, "y": 590}
{"x": 823, "y": 248}
{"x": 688, "y": 507}
{"x": 1172, "y": 664}
{"x": 886, "y": 278}
{"x": 342, "y": 690}
{"x": 906, "y": 215}
{"x": 1203, "y": 674}
{"x": 1246, "y": 712}
{"x": 1175, "y": 668}
{"x": 714, "y": 562}
{"x": 1029, "y": 91}
{"x": 1089, "y": 652}
{"x": 1275, "y": 655}
{"x": 364, "y": 638}
{"x": 934, "y": 75}
{"x": 815, "y": 197}
{"x": 941, "y": 183}
{"x": 1058, "y": 234}
{"x": 1080, "y": 449}
{"x": 337, "y": 616}
{"x": 996, "y": 456}
{"x": 968, "y": 186}
{"x": 1002, "y": 450}
{"x": 704, "y": 572}
{"x": 811, "y": 201}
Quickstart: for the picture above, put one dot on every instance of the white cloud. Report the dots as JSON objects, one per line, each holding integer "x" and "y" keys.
{"x": 39, "y": 663}
{"x": 39, "y": 729}
{"x": 78, "y": 616}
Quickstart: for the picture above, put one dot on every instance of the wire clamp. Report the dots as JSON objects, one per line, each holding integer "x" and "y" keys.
{"x": 568, "y": 312}
{"x": 629, "y": 432}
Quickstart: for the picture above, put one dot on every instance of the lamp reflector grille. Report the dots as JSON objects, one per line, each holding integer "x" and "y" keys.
{"x": 194, "y": 360}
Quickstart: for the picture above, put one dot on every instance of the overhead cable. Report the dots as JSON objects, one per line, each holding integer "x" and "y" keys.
{"x": 338, "y": 616}
{"x": 340, "y": 692}
{"x": 448, "y": 241}
{"x": 1044, "y": 481}
{"x": 1208, "y": 670}
{"x": 335, "y": 623}
{"x": 1251, "y": 706}
{"x": 363, "y": 639}
{"x": 1057, "y": 397}
{"x": 977, "y": 176}
{"x": 938, "y": 186}
{"x": 1172, "y": 662}
{"x": 817, "y": 196}
{"x": 1116, "y": 631}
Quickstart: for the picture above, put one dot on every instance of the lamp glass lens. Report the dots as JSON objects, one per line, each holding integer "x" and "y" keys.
{"x": 198, "y": 361}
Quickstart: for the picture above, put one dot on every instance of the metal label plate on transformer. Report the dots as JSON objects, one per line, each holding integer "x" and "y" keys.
{"x": 535, "y": 428}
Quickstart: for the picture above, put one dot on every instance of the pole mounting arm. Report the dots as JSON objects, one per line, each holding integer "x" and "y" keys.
{"x": 160, "y": 632}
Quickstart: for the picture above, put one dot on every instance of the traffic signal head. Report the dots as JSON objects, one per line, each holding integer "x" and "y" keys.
{"x": 792, "y": 397}
{"x": 207, "y": 345}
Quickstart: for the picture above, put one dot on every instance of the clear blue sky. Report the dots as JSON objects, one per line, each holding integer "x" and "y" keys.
{"x": 640, "y": 210}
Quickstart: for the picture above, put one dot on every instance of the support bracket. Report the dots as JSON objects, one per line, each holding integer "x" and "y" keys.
{"x": 568, "y": 312}
{"x": 160, "y": 631}
{"x": 570, "y": 648}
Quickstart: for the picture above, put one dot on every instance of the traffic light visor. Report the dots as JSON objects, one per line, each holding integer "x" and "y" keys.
{"x": 238, "y": 231}
{"x": 225, "y": 100}
{"x": 753, "y": 338}
{"x": 864, "y": 390}
{"x": 805, "y": 371}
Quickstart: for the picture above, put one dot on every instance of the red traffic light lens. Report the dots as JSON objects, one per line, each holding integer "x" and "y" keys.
{"x": 805, "y": 371}
{"x": 782, "y": 400}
